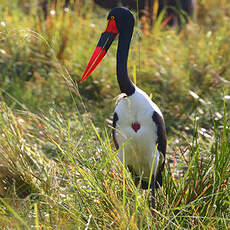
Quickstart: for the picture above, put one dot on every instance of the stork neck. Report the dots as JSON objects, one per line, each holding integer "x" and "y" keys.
{"x": 125, "y": 84}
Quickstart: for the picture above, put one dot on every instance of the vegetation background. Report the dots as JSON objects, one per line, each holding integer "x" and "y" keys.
{"x": 58, "y": 166}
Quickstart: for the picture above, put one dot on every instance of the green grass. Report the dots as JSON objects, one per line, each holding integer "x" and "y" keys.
{"x": 58, "y": 165}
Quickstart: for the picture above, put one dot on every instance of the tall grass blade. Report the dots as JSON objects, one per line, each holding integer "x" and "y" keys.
{"x": 15, "y": 214}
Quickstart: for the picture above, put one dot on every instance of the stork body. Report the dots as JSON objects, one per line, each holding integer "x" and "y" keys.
{"x": 136, "y": 122}
{"x": 139, "y": 128}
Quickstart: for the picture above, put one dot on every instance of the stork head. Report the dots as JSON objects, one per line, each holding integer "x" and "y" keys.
{"x": 120, "y": 20}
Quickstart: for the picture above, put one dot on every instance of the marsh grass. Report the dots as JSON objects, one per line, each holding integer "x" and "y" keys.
{"x": 59, "y": 168}
{"x": 82, "y": 183}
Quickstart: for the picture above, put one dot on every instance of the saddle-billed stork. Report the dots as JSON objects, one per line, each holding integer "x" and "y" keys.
{"x": 138, "y": 125}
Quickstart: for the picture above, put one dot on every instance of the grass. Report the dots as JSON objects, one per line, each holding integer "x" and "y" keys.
{"x": 58, "y": 164}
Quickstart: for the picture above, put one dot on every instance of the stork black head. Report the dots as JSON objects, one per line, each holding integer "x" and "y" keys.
{"x": 123, "y": 17}
{"x": 119, "y": 21}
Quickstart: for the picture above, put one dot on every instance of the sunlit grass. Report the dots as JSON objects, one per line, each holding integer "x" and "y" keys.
{"x": 85, "y": 182}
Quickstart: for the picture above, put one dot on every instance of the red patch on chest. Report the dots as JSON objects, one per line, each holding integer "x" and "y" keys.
{"x": 136, "y": 126}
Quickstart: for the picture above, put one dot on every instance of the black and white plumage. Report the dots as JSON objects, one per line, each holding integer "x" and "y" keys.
{"x": 138, "y": 124}
{"x": 139, "y": 127}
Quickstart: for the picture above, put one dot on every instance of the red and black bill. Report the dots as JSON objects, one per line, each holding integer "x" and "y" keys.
{"x": 103, "y": 45}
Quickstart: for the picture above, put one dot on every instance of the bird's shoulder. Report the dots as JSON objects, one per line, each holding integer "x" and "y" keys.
{"x": 139, "y": 100}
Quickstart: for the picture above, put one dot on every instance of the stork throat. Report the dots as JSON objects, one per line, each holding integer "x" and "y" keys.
{"x": 136, "y": 126}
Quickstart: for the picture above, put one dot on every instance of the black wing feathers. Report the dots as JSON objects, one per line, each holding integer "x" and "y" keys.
{"x": 161, "y": 132}
{"x": 115, "y": 119}
{"x": 162, "y": 143}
